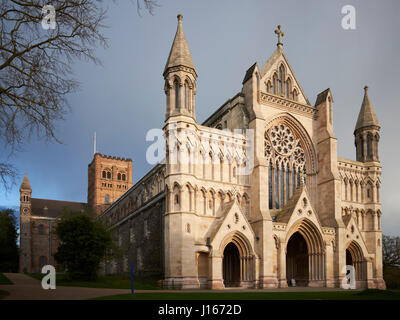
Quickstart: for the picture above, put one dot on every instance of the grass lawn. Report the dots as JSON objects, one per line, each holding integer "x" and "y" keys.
{"x": 325, "y": 295}
{"x": 3, "y": 294}
{"x": 114, "y": 282}
{"x": 4, "y": 280}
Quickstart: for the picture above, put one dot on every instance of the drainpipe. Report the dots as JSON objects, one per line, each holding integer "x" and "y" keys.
{"x": 49, "y": 242}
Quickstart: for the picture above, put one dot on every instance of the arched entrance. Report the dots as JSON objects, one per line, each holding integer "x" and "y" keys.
{"x": 297, "y": 260}
{"x": 305, "y": 255}
{"x": 231, "y": 266}
{"x": 355, "y": 258}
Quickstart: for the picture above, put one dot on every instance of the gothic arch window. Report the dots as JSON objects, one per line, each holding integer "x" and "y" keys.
{"x": 268, "y": 86}
{"x": 176, "y": 89}
{"x": 281, "y": 78}
{"x": 274, "y": 83}
{"x": 294, "y": 95}
{"x": 286, "y": 163}
{"x": 362, "y": 147}
{"x": 369, "y": 146}
{"x": 293, "y": 178}
{"x": 351, "y": 190}
{"x": 119, "y": 176}
{"x": 288, "y": 86}
{"x": 108, "y": 175}
{"x": 185, "y": 95}
{"x": 123, "y": 177}
{"x": 287, "y": 183}
{"x": 104, "y": 174}
{"x": 270, "y": 185}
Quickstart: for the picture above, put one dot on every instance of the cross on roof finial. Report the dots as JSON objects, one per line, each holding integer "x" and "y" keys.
{"x": 280, "y": 34}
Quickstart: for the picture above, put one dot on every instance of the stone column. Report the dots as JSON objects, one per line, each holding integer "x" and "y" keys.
{"x": 282, "y": 265}
{"x": 215, "y": 280}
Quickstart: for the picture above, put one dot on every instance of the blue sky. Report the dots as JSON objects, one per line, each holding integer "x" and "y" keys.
{"x": 124, "y": 98}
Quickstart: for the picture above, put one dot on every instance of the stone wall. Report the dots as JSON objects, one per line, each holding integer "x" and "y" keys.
{"x": 139, "y": 238}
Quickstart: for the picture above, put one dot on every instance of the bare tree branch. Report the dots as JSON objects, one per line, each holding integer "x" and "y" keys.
{"x": 35, "y": 65}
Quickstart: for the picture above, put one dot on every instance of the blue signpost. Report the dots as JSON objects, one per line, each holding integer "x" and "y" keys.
{"x": 132, "y": 290}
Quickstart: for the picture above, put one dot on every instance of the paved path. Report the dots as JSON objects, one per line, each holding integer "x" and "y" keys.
{"x": 26, "y": 288}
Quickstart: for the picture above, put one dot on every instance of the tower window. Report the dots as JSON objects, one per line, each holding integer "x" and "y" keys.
{"x": 176, "y": 87}
{"x": 104, "y": 174}
{"x": 108, "y": 175}
{"x": 123, "y": 177}
{"x": 176, "y": 199}
{"x": 369, "y": 146}
{"x": 119, "y": 176}
{"x": 41, "y": 229}
{"x": 107, "y": 199}
{"x": 42, "y": 261}
{"x": 185, "y": 96}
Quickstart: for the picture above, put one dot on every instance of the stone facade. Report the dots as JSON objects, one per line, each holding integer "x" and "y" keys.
{"x": 299, "y": 215}
{"x": 256, "y": 196}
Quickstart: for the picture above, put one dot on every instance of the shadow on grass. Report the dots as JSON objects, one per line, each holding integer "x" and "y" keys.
{"x": 4, "y": 279}
{"x": 331, "y": 295}
{"x": 109, "y": 282}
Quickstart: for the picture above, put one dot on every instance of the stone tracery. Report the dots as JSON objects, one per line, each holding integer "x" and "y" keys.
{"x": 286, "y": 164}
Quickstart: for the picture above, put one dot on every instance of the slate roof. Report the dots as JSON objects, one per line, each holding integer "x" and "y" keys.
{"x": 54, "y": 207}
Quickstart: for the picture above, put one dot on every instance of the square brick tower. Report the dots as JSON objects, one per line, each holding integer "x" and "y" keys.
{"x": 108, "y": 179}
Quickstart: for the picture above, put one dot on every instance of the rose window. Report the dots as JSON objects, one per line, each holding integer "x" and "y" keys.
{"x": 282, "y": 139}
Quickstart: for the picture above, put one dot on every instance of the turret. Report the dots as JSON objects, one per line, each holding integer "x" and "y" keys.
{"x": 180, "y": 77}
{"x": 25, "y": 191}
{"x": 25, "y": 255}
{"x": 366, "y": 132}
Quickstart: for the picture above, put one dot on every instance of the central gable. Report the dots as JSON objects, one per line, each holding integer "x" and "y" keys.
{"x": 278, "y": 78}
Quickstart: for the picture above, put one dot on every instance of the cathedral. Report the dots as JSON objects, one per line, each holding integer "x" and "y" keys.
{"x": 254, "y": 197}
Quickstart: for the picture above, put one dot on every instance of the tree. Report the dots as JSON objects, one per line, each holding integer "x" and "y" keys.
{"x": 84, "y": 242}
{"x": 391, "y": 251}
{"x": 35, "y": 65}
{"x": 8, "y": 241}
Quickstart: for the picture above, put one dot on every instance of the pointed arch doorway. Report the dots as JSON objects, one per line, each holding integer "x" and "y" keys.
{"x": 231, "y": 266}
{"x": 305, "y": 256}
{"x": 297, "y": 260}
{"x": 355, "y": 258}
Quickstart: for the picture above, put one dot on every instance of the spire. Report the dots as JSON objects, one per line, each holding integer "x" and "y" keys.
{"x": 180, "y": 53}
{"x": 25, "y": 185}
{"x": 367, "y": 116}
